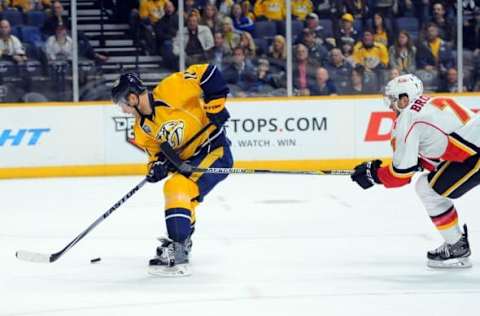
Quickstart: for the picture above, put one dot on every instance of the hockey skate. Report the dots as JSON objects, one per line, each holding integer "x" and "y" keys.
{"x": 451, "y": 256}
{"x": 172, "y": 259}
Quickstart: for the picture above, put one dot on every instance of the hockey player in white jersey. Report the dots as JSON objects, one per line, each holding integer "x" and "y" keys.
{"x": 443, "y": 137}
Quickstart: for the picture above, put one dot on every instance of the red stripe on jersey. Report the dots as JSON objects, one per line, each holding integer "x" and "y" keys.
{"x": 426, "y": 164}
{"x": 446, "y": 218}
{"x": 390, "y": 179}
{"x": 456, "y": 151}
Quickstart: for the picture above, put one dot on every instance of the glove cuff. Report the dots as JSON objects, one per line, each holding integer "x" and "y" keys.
{"x": 372, "y": 171}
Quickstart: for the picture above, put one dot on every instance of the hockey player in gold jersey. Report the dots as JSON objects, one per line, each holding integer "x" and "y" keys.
{"x": 176, "y": 111}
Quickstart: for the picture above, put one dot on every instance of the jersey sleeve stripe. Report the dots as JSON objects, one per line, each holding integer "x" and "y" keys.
{"x": 459, "y": 149}
{"x": 212, "y": 71}
{"x": 392, "y": 177}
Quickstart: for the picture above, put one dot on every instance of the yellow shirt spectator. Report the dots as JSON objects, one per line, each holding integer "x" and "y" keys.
{"x": 370, "y": 57}
{"x": 435, "y": 47}
{"x": 27, "y": 5}
{"x": 301, "y": 8}
{"x": 273, "y": 10}
{"x": 152, "y": 10}
{"x": 381, "y": 37}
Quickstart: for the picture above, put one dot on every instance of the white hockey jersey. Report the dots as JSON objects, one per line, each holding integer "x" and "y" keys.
{"x": 432, "y": 129}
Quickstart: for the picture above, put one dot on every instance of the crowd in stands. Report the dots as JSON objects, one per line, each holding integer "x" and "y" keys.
{"x": 340, "y": 47}
{"x": 35, "y": 42}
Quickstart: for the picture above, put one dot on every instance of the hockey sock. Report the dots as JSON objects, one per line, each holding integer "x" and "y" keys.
{"x": 179, "y": 224}
{"x": 447, "y": 225}
{"x": 440, "y": 209}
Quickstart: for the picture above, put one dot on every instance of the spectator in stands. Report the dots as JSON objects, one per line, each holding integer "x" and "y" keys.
{"x": 471, "y": 29}
{"x": 382, "y": 33}
{"x": 166, "y": 27}
{"x": 271, "y": 10}
{"x": 373, "y": 56}
{"x": 29, "y": 5}
{"x": 324, "y": 8}
{"x": 264, "y": 83}
{"x": 57, "y": 18}
{"x": 317, "y": 53}
{"x": 59, "y": 46}
{"x": 232, "y": 38}
{"x": 277, "y": 53}
{"x": 189, "y": 8}
{"x": 433, "y": 53}
{"x": 347, "y": 51}
{"x": 312, "y": 23}
{"x": 450, "y": 84}
{"x": 303, "y": 71}
{"x": 346, "y": 34}
{"x": 151, "y": 11}
{"x": 402, "y": 54}
{"x": 248, "y": 45}
{"x": 447, "y": 27}
{"x": 4, "y": 5}
{"x": 359, "y": 9}
{"x": 241, "y": 22}
{"x": 247, "y": 9}
{"x": 394, "y": 73}
{"x": 220, "y": 54}
{"x": 340, "y": 70}
{"x": 323, "y": 85}
{"x": 240, "y": 72}
{"x": 211, "y": 18}
{"x": 198, "y": 39}
{"x": 11, "y": 48}
{"x": 359, "y": 85}
{"x": 301, "y": 8}
{"x": 224, "y": 6}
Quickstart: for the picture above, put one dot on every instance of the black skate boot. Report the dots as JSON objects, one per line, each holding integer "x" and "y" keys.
{"x": 451, "y": 255}
{"x": 171, "y": 260}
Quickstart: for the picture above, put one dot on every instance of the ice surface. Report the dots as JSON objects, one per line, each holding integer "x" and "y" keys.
{"x": 264, "y": 245}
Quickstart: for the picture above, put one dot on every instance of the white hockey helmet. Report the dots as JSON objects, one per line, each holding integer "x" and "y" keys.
{"x": 409, "y": 85}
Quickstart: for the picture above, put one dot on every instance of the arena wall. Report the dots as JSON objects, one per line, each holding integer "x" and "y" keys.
{"x": 88, "y": 139}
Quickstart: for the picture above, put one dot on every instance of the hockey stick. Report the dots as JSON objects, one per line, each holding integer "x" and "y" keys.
{"x": 48, "y": 258}
{"x": 184, "y": 167}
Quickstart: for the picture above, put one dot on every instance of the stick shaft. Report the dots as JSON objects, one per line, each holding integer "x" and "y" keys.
{"x": 37, "y": 257}
{"x": 264, "y": 171}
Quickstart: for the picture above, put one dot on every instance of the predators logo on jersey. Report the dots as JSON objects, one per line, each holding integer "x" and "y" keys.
{"x": 172, "y": 132}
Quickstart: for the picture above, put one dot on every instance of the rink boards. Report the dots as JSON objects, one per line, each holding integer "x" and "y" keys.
{"x": 70, "y": 139}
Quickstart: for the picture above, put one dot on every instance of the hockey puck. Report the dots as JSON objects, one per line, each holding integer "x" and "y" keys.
{"x": 95, "y": 260}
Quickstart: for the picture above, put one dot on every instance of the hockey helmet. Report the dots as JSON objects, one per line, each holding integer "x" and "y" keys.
{"x": 126, "y": 84}
{"x": 409, "y": 85}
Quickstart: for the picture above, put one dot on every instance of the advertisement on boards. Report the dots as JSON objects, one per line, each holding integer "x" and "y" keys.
{"x": 260, "y": 130}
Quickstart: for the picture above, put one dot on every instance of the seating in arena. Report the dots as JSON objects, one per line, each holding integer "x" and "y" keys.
{"x": 144, "y": 40}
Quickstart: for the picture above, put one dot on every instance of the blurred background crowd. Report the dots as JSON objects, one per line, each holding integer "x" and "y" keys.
{"x": 338, "y": 47}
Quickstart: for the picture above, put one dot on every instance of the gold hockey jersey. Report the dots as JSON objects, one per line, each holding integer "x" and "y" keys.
{"x": 182, "y": 104}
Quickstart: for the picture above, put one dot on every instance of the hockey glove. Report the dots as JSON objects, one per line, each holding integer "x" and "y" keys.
{"x": 159, "y": 170}
{"x": 219, "y": 118}
{"x": 365, "y": 174}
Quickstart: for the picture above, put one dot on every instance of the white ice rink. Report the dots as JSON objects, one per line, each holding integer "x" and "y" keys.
{"x": 264, "y": 245}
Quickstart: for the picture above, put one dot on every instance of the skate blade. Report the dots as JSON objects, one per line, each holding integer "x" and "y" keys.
{"x": 179, "y": 270}
{"x": 457, "y": 263}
